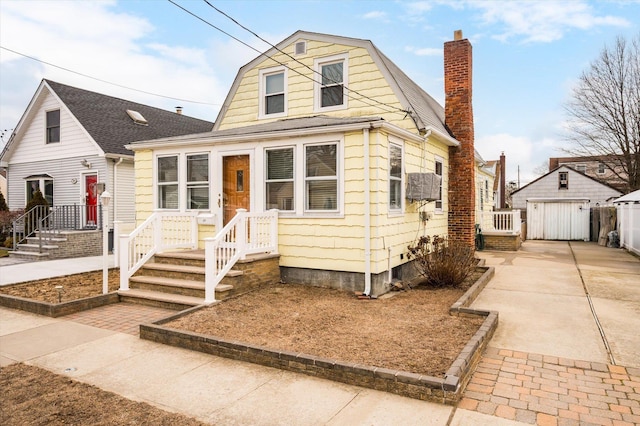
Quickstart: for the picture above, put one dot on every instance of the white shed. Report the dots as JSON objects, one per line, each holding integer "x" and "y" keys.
{"x": 628, "y": 212}
{"x": 558, "y": 219}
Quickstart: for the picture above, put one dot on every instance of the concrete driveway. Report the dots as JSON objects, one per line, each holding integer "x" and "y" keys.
{"x": 573, "y": 300}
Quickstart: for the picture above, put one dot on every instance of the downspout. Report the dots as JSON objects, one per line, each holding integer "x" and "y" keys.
{"x": 115, "y": 189}
{"x": 367, "y": 216}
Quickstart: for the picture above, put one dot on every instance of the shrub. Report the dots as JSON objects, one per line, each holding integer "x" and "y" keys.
{"x": 6, "y": 226}
{"x": 3, "y": 203}
{"x": 443, "y": 263}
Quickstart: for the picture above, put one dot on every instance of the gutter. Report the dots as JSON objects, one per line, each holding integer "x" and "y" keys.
{"x": 115, "y": 189}
{"x": 367, "y": 215}
{"x": 209, "y": 139}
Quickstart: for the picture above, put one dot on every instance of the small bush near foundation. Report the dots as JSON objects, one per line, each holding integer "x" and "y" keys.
{"x": 443, "y": 263}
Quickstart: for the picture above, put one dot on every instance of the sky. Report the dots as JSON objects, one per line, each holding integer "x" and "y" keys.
{"x": 527, "y": 55}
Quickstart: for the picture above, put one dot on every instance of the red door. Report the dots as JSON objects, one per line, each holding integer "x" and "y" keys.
{"x": 91, "y": 199}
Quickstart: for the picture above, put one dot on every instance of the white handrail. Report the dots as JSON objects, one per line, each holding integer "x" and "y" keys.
{"x": 161, "y": 231}
{"x": 246, "y": 233}
{"x": 507, "y": 222}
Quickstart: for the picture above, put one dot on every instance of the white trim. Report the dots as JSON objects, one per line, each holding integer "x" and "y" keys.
{"x": 189, "y": 141}
{"x": 439, "y": 210}
{"x": 317, "y": 86}
{"x": 262, "y": 87}
{"x": 400, "y": 210}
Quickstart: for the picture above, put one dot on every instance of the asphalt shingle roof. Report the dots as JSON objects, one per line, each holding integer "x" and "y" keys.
{"x": 299, "y": 123}
{"x": 105, "y": 118}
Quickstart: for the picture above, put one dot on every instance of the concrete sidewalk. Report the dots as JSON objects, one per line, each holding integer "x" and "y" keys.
{"x": 12, "y": 273}
{"x": 568, "y": 313}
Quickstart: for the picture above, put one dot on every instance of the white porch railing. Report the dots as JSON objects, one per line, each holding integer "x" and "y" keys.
{"x": 246, "y": 233}
{"x": 160, "y": 232}
{"x": 505, "y": 222}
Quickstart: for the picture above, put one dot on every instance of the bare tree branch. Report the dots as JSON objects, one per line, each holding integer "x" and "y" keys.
{"x": 604, "y": 112}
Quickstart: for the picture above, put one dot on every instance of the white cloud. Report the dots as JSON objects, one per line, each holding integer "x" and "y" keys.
{"x": 541, "y": 21}
{"x": 375, "y": 14}
{"x": 111, "y": 46}
{"x": 424, "y": 51}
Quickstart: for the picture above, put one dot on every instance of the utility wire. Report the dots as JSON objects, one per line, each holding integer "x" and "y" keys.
{"x": 105, "y": 81}
{"x": 301, "y": 63}
{"x": 278, "y": 62}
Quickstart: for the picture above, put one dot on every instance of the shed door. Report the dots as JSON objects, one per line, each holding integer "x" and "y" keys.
{"x": 558, "y": 221}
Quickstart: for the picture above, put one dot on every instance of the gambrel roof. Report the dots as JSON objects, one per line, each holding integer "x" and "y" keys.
{"x": 424, "y": 109}
{"x": 106, "y": 121}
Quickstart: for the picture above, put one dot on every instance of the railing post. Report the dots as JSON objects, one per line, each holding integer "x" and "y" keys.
{"x": 241, "y": 233}
{"x": 274, "y": 230}
{"x": 210, "y": 270}
{"x": 194, "y": 231}
{"x": 116, "y": 249}
{"x": 157, "y": 234}
{"x": 123, "y": 255}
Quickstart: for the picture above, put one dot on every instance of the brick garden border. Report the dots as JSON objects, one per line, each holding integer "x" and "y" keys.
{"x": 446, "y": 390}
{"x": 57, "y": 309}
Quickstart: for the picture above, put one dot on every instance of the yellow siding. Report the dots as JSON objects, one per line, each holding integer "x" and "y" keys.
{"x": 144, "y": 184}
{"x": 364, "y": 80}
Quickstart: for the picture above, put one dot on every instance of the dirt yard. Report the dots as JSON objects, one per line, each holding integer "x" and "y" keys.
{"x": 74, "y": 287}
{"x": 33, "y": 396}
{"x": 411, "y": 331}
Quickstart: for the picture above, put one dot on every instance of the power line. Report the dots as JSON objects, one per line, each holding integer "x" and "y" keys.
{"x": 105, "y": 81}
{"x": 301, "y": 63}
{"x": 377, "y": 104}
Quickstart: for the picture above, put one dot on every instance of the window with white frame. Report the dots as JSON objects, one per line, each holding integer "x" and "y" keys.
{"x": 53, "y": 126}
{"x": 601, "y": 168}
{"x": 167, "y": 180}
{"x": 44, "y": 184}
{"x": 438, "y": 170}
{"x": 198, "y": 181}
{"x": 279, "y": 183}
{"x": 563, "y": 180}
{"x": 332, "y": 73}
{"x": 321, "y": 177}
{"x": 395, "y": 177}
{"x": 273, "y": 98}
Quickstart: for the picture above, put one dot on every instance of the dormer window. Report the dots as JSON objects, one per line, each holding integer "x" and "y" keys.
{"x": 273, "y": 95}
{"x": 330, "y": 91}
{"x": 53, "y": 126}
{"x": 137, "y": 117}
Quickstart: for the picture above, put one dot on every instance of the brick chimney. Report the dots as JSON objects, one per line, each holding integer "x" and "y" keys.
{"x": 458, "y": 112}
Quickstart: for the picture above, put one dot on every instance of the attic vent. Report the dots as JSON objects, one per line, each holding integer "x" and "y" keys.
{"x": 423, "y": 187}
{"x": 301, "y": 48}
{"x": 137, "y": 117}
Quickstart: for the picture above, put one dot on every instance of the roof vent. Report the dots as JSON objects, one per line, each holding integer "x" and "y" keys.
{"x": 301, "y": 48}
{"x": 137, "y": 117}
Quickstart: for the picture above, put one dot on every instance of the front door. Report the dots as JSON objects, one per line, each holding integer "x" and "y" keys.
{"x": 236, "y": 185}
{"x": 91, "y": 200}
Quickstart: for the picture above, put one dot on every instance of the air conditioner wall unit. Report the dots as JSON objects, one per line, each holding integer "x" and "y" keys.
{"x": 423, "y": 187}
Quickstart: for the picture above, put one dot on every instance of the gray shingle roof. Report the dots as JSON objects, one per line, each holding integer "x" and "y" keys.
{"x": 105, "y": 119}
{"x": 300, "y": 123}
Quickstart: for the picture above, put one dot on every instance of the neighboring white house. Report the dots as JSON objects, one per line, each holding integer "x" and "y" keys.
{"x": 628, "y": 214}
{"x": 69, "y": 140}
{"x": 558, "y": 204}
{"x": 565, "y": 183}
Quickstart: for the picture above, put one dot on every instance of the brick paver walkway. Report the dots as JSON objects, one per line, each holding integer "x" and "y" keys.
{"x": 547, "y": 390}
{"x": 122, "y": 317}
